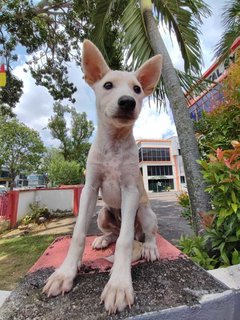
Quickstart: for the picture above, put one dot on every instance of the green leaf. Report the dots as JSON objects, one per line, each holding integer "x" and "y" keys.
{"x": 235, "y": 257}
{"x": 234, "y": 199}
{"x": 235, "y": 207}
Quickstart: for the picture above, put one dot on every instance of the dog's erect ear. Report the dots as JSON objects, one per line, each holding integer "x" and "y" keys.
{"x": 93, "y": 64}
{"x": 149, "y": 74}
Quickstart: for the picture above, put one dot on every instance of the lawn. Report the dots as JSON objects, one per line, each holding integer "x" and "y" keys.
{"x": 17, "y": 255}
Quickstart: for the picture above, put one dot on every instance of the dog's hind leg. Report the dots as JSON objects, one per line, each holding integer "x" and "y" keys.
{"x": 109, "y": 224}
{"x": 148, "y": 221}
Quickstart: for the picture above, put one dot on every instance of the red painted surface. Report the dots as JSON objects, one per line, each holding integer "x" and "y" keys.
{"x": 55, "y": 254}
{"x": 76, "y": 199}
{"x": 13, "y": 197}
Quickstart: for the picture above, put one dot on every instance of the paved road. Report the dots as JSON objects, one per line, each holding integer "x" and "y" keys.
{"x": 171, "y": 224}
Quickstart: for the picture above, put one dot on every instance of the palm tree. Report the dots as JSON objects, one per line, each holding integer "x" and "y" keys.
{"x": 231, "y": 24}
{"x": 142, "y": 39}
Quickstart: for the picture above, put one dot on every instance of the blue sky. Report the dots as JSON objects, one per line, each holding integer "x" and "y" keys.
{"x": 35, "y": 106}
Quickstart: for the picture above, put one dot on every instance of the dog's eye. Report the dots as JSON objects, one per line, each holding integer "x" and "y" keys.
{"x": 137, "y": 89}
{"x": 108, "y": 85}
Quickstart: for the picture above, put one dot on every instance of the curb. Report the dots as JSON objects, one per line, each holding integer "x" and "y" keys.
{"x": 220, "y": 306}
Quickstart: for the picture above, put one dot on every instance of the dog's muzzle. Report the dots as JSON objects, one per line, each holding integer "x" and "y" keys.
{"x": 126, "y": 107}
{"x": 126, "y": 104}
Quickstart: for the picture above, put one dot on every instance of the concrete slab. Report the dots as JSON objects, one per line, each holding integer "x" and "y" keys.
{"x": 3, "y": 296}
{"x": 170, "y": 289}
{"x": 230, "y": 276}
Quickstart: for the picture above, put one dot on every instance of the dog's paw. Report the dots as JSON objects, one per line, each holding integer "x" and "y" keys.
{"x": 150, "y": 251}
{"x": 101, "y": 242}
{"x": 59, "y": 282}
{"x": 117, "y": 296}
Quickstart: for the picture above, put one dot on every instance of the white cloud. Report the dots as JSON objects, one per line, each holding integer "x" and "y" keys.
{"x": 153, "y": 124}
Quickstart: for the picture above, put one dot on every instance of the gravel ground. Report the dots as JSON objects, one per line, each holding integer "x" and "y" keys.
{"x": 159, "y": 285}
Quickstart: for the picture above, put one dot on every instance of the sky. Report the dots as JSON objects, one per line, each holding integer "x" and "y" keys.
{"x": 36, "y": 105}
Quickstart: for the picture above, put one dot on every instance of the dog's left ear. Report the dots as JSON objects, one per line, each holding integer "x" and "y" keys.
{"x": 149, "y": 74}
{"x": 93, "y": 64}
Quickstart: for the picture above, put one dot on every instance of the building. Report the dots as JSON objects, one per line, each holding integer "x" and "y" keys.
{"x": 212, "y": 97}
{"x": 161, "y": 165}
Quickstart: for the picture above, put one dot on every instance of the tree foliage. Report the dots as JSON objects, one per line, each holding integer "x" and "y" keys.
{"x": 218, "y": 128}
{"x": 50, "y": 32}
{"x": 74, "y": 140}
{"x": 65, "y": 172}
{"x": 21, "y": 147}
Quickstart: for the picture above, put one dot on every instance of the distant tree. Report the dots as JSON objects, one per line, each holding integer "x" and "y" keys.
{"x": 231, "y": 25}
{"x": 21, "y": 147}
{"x": 74, "y": 140}
{"x": 65, "y": 172}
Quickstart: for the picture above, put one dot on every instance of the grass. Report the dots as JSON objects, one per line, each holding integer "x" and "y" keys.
{"x": 17, "y": 255}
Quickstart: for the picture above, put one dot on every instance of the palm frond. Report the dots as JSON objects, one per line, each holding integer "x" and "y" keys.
{"x": 183, "y": 18}
{"x": 101, "y": 17}
{"x": 135, "y": 36}
{"x": 191, "y": 84}
{"x": 231, "y": 24}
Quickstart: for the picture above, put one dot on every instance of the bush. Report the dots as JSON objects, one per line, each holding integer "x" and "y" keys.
{"x": 196, "y": 249}
{"x": 36, "y": 214}
{"x": 183, "y": 199}
{"x": 220, "y": 243}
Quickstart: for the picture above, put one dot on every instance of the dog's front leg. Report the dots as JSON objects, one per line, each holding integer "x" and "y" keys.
{"x": 61, "y": 280}
{"x": 118, "y": 292}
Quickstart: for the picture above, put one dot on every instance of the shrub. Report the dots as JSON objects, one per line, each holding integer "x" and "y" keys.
{"x": 183, "y": 199}
{"x": 196, "y": 249}
{"x": 36, "y": 214}
{"x": 220, "y": 243}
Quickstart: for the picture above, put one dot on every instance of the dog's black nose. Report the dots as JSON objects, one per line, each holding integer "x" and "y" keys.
{"x": 126, "y": 103}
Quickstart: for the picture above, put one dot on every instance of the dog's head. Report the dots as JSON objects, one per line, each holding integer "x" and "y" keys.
{"x": 119, "y": 94}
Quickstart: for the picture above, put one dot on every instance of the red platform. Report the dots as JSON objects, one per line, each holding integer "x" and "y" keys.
{"x": 95, "y": 259}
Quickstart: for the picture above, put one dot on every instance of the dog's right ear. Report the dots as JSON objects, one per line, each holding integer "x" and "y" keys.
{"x": 93, "y": 64}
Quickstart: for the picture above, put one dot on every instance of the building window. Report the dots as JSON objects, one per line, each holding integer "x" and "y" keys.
{"x": 154, "y": 154}
{"x": 179, "y": 152}
{"x": 141, "y": 170}
{"x": 182, "y": 179}
{"x": 160, "y": 184}
{"x": 159, "y": 171}
{"x": 140, "y": 155}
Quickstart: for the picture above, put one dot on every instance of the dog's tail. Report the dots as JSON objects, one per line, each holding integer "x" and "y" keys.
{"x": 136, "y": 253}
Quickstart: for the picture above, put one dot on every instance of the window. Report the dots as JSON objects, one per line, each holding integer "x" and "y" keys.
{"x": 182, "y": 178}
{"x": 159, "y": 170}
{"x": 154, "y": 154}
{"x": 160, "y": 184}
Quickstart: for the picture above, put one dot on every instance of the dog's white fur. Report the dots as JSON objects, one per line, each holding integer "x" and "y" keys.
{"x": 112, "y": 166}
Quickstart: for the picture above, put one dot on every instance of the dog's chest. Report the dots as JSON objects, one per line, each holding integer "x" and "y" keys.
{"x": 111, "y": 182}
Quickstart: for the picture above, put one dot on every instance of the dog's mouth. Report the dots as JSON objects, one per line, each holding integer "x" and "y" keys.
{"x": 124, "y": 117}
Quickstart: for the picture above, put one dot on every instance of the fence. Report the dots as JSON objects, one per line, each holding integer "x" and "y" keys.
{"x": 4, "y": 205}
{"x": 15, "y": 204}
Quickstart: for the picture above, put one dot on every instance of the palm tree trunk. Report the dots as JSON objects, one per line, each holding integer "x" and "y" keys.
{"x": 198, "y": 198}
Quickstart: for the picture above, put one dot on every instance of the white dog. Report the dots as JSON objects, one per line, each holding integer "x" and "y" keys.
{"x": 112, "y": 167}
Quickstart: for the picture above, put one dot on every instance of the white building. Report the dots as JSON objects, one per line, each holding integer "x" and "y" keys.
{"x": 161, "y": 164}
